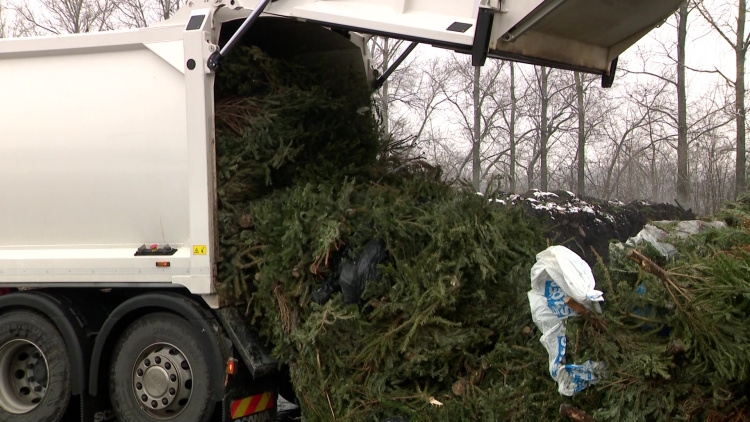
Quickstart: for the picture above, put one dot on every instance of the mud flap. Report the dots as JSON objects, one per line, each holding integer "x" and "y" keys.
{"x": 248, "y": 398}
{"x": 251, "y": 351}
{"x": 248, "y": 407}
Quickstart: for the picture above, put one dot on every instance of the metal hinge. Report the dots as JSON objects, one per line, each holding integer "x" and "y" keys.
{"x": 496, "y": 5}
{"x": 215, "y": 59}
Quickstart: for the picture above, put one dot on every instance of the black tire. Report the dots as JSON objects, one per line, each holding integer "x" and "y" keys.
{"x": 35, "y": 369}
{"x": 172, "y": 340}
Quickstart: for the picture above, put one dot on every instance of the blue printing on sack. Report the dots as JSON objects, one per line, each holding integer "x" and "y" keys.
{"x": 562, "y": 343}
{"x": 556, "y": 300}
{"x": 582, "y": 377}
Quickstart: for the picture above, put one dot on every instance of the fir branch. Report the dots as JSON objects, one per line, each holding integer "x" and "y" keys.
{"x": 575, "y": 414}
{"x": 651, "y": 267}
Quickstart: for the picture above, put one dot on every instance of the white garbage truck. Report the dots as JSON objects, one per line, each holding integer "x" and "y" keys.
{"x": 108, "y": 233}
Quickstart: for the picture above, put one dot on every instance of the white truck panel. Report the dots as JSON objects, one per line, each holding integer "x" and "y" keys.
{"x": 107, "y": 165}
{"x": 88, "y": 265}
{"x": 421, "y": 23}
{"x": 95, "y": 160}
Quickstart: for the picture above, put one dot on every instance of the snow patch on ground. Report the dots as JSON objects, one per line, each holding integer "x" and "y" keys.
{"x": 540, "y": 194}
{"x": 587, "y": 208}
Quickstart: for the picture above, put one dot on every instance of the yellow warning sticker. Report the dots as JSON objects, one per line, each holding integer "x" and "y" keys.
{"x": 199, "y": 249}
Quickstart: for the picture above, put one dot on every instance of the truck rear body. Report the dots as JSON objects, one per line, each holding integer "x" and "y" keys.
{"x": 107, "y": 138}
{"x": 108, "y": 176}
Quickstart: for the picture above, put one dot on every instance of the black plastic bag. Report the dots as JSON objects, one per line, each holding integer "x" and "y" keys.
{"x": 363, "y": 269}
{"x": 323, "y": 292}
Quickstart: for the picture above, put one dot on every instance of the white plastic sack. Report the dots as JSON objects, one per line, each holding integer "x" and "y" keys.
{"x": 689, "y": 227}
{"x": 560, "y": 273}
{"x": 654, "y": 236}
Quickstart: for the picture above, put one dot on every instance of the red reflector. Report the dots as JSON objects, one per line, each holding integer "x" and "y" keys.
{"x": 253, "y": 404}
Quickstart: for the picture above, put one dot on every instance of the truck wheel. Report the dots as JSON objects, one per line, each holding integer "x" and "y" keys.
{"x": 159, "y": 372}
{"x": 35, "y": 374}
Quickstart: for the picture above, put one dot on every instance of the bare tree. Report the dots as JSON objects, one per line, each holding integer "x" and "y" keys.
{"x": 728, "y": 20}
{"x": 408, "y": 105}
{"x": 713, "y": 167}
{"x": 551, "y": 110}
{"x": 690, "y": 115}
{"x": 423, "y": 96}
{"x": 383, "y": 51}
{"x": 639, "y": 119}
{"x": 473, "y": 94}
{"x": 3, "y": 22}
{"x": 10, "y": 26}
{"x": 511, "y": 124}
{"x": 658, "y": 159}
{"x": 408, "y": 101}
{"x": 676, "y": 77}
{"x": 683, "y": 175}
{"x": 476, "y": 146}
{"x": 581, "y": 152}
{"x": 396, "y": 89}
{"x": 65, "y": 16}
{"x": 512, "y": 115}
{"x": 590, "y": 111}
{"x": 141, "y": 13}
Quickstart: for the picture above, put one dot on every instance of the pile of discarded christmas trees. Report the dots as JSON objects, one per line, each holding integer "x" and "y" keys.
{"x": 393, "y": 296}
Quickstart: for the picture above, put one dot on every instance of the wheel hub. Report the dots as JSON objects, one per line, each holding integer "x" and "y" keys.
{"x": 23, "y": 376}
{"x": 162, "y": 380}
{"x": 155, "y": 381}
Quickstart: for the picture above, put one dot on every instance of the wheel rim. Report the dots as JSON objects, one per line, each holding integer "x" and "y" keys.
{"x": 24, "y": 378}
{"x": 162, "y": 380}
